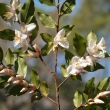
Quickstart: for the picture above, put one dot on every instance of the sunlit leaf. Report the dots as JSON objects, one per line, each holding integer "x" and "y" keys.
{"x": 7, "y": 34}
{"x": 44, "y": 88}
{"x": 89, "y": 89}
{"x": 2, "y": 9}
{"x": 34, "y": 78}
{"x": 68, "y": 56}
{"x": 46, "y": 37}
{"x": 15, "y": 90}
{"x": 27, "y": 11}
{"x": 77, "y": 98}
{"x": 67, "y": 7}
{"x": 36, "y": 96}
{"x": 9, "y": 57}
{"x": 80, "y": 44}
{"x": 3, "y": 81}
{"x": 19, "y": 52}
{"x": 76, "y": 77}
{"x": 103, "y": 85}
{"x": 68, "y": 29}
{"x": 46, "y": 20}
{"x": 91, "y": 37}
{"x": 1, "y": 54}
{"x": 46, "y": 49}
{"x": 64, "y": 71}
{"x": 22, "y": 67}
{"x": 96, "y": 67}
{"x": 48, "y": 2}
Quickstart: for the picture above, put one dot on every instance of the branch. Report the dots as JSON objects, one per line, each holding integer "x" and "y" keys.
{"x": 51, "y": 100}
{"x": 46, "y": 65}
{"x": 64, "y": 81}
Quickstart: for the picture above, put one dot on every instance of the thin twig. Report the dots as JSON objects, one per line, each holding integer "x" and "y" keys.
{"x": 63, "y": 81}
{"x": 51, "y": 100}
{"x": 46, "y": 65}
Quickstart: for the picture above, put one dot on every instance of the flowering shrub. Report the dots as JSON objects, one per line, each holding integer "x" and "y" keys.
{"x": 13, "y": 68}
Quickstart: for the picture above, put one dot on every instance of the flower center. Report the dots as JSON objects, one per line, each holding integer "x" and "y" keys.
{"x": 8, "y": 15}
{"x": 16, "y": 37}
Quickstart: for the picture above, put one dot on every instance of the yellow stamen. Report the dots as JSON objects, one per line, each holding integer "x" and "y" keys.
{"x": 16, "y": 37}
{"x": 8, "y": 15}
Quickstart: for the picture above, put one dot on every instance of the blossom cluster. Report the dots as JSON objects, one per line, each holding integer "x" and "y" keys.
{"x": 94, "y": 52}
{"x": 18, "y": 80}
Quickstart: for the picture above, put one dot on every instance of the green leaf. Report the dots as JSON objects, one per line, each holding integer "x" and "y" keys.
{"x": 3, "y": 81}
{"x": 80, "y": 44}
{"x": 77, "y": 98}
{"x": 1, "y": 54}
{"x": 96, "y": 67}
{"x": 9, "y": 58}
{"x": 36, "y": 96}
{"x": 46, "y": 37}
{"x": 67, "y": 7}
{"x": 19, "y": 52}
{"x": 48, "y": 2}
{"x": 7, "y": 34}
{"x": 34, "y": 78}
{"x": 64, "y": 71}
{"x": 27, "y": 11}
{"x": 103, "y": 85}
{"x": 68, "y": 29}
{"x": 89, "y": 89}
{"x": 76, "y": 77}
{"x": 2, "y": 9}
{"x": 44, "y": 88}
{"x": 46, "y": 20}
{"x": 15, "y": 90}
{"x": 91, "y": 37}
{"x": 68, "y": 56}
{"x": 34, "y": 32}
{"x": 46, "y": 49}
{"x": 22, "y": 67}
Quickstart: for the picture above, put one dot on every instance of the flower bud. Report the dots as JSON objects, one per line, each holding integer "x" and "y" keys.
{"x": 98, "y": 101}
{"x": 3, "y": 71}
{"x": 25, "y": 83}
{"x": 91, "y": 103}
{"x": 24, "y": 89}
{"x": 19, "y": 77}
{"x": 104, "y": 94}
{"x": 17, "y": 82}
{"x": 37, "y": 49}
{"x": 32, "y": 86}
{"x": 32, "y": 91}
{"x": 11, "y": 79}
{"x": 33, "y": 54}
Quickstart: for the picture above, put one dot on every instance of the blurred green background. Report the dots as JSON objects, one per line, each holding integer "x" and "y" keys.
{"x": 88, "y": 15}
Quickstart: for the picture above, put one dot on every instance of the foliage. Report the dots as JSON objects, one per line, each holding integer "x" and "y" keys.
{"x": 13, "y": 67}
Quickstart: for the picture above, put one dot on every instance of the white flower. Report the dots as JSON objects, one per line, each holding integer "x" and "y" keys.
{"x": 27, "y": 28}
{"x": 97, "y": 50}
{"x": 60, "y": 40}
{"x": 10, "y": 16}
{"x": 77, "y": 65}
{"x": 20, "y": 39}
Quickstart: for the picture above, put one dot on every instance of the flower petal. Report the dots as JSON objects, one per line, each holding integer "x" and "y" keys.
{"x": 30, "y": 27}
{"x": 72, "y": 70}
{"x": 59, "y": 34}
{"x": 64, "y": 44}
